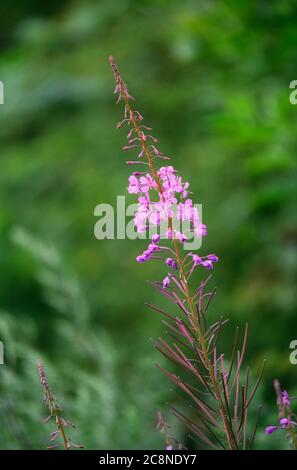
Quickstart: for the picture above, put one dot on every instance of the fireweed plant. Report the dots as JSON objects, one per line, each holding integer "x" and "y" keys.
{"x": 287, "y": 419}
{"x": 219, "y": 390}
{"x": 56, "y": 412}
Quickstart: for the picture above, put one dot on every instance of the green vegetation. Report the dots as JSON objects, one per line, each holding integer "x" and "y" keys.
{"x": 212, "y": 77}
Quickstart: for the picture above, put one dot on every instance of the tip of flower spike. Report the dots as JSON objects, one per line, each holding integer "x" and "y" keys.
{"x": 113, "y": 65}
{"x": 111, "y": 60}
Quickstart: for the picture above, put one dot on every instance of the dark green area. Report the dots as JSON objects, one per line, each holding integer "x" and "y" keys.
{"x": 212, "y": 77}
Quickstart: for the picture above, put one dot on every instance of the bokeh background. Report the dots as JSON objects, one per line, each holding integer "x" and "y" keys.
{"x": 212, "y": 77}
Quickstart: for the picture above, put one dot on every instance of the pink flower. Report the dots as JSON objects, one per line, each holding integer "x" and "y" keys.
{"x": 197, "y": 260}
{"x": 207, "y": 264}
{"x": 284, "y": 422}
{"x": 133, "y": 187}
{"x": 140, "y": 219}
{"x": 166, "y": 282}
{"x": 270, "y": 429}
{"x": 285, "y": 398}
{"x": 184, "y": 191}
{"x": 200, "y": 230}
{"x": 166, "y": 171}
{"x": 146, "y": 183}
{"x": 156, "y": 238}
{"x": 169, "y": 234}
{"x": 140, "y": 259}
{"x": 180, "y": 236}
{"x": 153, "y": 247}
{"x": 143, "y": 185}
{"x": 213, "y": 258}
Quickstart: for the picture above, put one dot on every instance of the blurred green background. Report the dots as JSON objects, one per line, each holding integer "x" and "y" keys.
{"x": 212, "y": 77}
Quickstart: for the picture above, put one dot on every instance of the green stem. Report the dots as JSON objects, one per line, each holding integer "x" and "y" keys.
{"x": 60, "y": 426}
{"x": 201, "y": 339}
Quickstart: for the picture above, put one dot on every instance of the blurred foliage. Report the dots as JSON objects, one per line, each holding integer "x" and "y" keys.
{"x": 212, "y": 77}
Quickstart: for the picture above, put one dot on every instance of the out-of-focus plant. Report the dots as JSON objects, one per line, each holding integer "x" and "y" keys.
{"x": 220, "y": 391}
{"x": 71, "y": 341}
{"x": 56, "y": 412}
{"x": 164, "y": 428}
{"x": 287, "y": 418}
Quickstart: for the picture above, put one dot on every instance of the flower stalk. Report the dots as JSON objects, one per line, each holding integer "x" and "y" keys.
{"x": 55, "y": 413}
{"x": 173, "y": 204}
